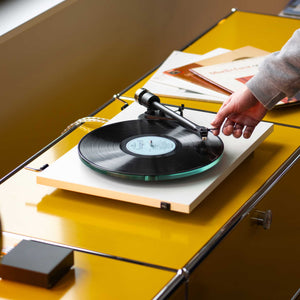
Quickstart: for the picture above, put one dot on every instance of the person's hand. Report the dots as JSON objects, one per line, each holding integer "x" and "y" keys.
{"x": 240, "y": 113}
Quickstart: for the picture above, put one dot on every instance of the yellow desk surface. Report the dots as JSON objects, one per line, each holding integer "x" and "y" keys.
{"x": 147, "y": 234}
{"x": 92, "y": 277}
{"x": 241, "y": 29}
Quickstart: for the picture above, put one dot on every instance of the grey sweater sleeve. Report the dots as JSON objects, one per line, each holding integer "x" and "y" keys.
{"x": 279, "y": 74}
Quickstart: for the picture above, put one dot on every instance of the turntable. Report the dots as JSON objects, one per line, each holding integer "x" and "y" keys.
{"x": 160, "y": 145}
{"x": 155, "y": 157}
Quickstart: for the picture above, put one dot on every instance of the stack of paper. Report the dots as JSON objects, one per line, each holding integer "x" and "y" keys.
{"x": 235, "y": 70}
{"x": 163, "y": 84}
{"x": 180, "y": 75}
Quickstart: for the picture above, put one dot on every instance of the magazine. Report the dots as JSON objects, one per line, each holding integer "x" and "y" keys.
{"x": 184, "y": 73}
{"x": 168, "y": 86}
{"x": 230, "y": 76}
{"x": 234, "y": 75}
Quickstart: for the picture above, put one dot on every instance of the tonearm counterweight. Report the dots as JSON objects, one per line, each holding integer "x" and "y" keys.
{"x": 152, "y": 102}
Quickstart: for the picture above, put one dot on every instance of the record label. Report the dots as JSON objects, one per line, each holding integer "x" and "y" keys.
{"x": 150, "y": 145}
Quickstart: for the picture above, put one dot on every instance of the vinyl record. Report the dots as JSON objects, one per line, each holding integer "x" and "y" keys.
{"x": 149, "y": 150}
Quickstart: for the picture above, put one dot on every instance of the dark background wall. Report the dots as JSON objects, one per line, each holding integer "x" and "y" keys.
{"x": 66, "y": 63}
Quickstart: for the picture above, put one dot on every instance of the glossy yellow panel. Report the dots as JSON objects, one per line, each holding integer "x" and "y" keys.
{"x": 94, "y": 277}
{"x": 255, "y": 259}
{"x": 132, "y": 231}
{"x": 265, "y": 32}
{"x": 141, "y": 233}
{"x": 242, "y": 28}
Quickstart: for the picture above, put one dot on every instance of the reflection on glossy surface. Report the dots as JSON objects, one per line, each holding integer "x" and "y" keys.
{"x": 143, "y": 233}
{"x": 148, "y": 234}
{"x": 92, "y": 277}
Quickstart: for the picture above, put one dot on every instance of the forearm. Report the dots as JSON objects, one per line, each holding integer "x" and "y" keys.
{"x": 279, "y": 74}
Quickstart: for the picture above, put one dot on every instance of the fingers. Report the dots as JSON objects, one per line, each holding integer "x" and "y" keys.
{"x": 228, "y": 127}
{"x": 248, "y": 132}
{"x": 217, "y": 122}
{"x": 236, "y": 129}
{"x": 220, "y": 118}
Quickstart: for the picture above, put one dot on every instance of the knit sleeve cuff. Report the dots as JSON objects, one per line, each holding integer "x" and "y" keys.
{"x": 265, "y": 91}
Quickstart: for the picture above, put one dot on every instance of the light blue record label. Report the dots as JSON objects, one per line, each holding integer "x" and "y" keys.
{"x": 150, "y": 145}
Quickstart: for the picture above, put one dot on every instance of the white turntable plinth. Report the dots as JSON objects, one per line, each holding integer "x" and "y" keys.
{"x": 182, "y": 195}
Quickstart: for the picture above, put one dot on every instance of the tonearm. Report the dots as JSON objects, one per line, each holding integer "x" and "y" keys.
{"x": 152, "y": 102}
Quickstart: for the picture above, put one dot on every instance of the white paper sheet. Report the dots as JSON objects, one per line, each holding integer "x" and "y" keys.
{"x": 162, "y": 84}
